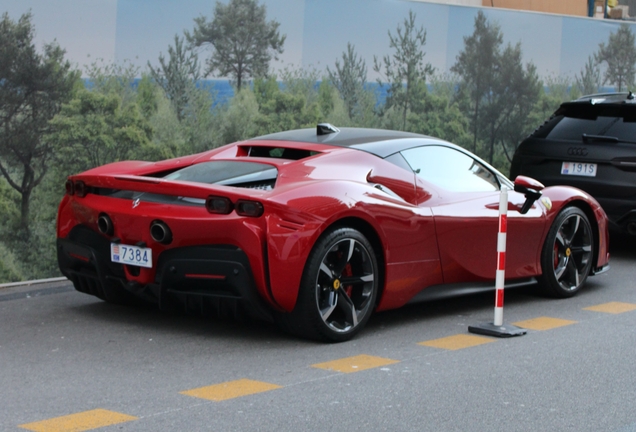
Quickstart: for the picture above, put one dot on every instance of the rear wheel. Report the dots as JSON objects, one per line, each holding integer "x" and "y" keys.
{"x": 338, "y": 288}
{"x": 566, "y": 259}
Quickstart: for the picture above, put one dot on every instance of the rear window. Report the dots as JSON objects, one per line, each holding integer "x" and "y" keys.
{"x": 571, "y": 122}
{"x": 229, "y": 173}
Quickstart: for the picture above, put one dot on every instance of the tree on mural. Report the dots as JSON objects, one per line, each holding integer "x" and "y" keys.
{"x": 404, "y": 70}
{"x": 349, "y": 78}
{"x": 476, "y": 65}
{"x": 243, "y": 41}
{"x": 33, "y": 87}
{"x": 589, "y": 80}
{"x": 177, "y": 75}
{"x": 619, "y": 55}
{"x": 94, "y": 129}
{"x": 515, "y": 94}
{"x": 496, "y": 91}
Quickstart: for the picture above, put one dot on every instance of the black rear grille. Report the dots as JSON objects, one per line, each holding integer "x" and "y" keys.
{"x": 87, "y": 282}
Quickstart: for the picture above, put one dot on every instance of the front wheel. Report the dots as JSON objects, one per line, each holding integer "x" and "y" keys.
{"x": 338, "y": 289}
{"x": 566, "y": 258}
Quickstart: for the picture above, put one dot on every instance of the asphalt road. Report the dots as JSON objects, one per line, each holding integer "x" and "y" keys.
{"x": 71, "y": 362}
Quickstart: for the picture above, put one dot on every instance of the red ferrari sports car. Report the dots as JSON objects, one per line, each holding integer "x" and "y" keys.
{"x": 317, "y": 228}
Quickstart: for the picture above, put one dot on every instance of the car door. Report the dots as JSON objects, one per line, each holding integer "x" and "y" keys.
{"x": 466, "y": 213}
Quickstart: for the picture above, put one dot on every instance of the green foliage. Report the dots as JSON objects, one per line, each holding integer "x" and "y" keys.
{"x": 200, "y": 124}
{"x": 114, "y": 78}
{"x": 620, "y": 57}
{"x": 9, "y": 269}
{"x": 518, "y": 90}
{"x": 437, "y": 114}
{"x": 33, "y": 87}
{"x": 556, "y": 92}
{"x": 405, "y": 69}
{"x": 9, "y": 205}
{"x": 242, "y": 119}
{"x": 178, "y": 75}
{"x": 476, "y": 65}
{"x": 94, "y": 129}
{"x": 243, "y": 42}
{"x": 349, "y": 78}
{"x": 589, "y": 81}
{"x": 296, "y": 103}
{"x": 147, "y": 96}
{"x": 496, "y": 92}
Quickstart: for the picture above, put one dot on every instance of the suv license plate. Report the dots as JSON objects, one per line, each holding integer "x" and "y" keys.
{"x": 578, "y": 169}
{"x": 132, "y": 255}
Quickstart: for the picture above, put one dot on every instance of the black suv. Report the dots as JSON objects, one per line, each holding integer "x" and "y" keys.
{"x": 589, "y": 143}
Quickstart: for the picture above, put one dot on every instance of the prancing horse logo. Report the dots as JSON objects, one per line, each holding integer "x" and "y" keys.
{"x": 136, "y": 202}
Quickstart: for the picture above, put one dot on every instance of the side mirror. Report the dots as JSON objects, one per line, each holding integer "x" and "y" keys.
{"x": 530, "y": 188}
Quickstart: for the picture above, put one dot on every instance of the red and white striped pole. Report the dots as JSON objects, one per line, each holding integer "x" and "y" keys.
{"x": 500, "y": 278}
{"x": 497, "y": 328}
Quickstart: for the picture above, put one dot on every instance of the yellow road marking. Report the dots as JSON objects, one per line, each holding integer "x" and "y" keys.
{"x": 230, "y": 390}
{"x": 83, "y": 421}
{"x": 612, "y": 307}
{"x": 457, "y": 342}
{"x": 543, "y": 323}
{"x": 355, "y": 363}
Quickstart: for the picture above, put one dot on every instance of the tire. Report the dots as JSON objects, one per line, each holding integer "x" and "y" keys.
{"x": 338, "y": 290}
{"x": 568, "y": 251}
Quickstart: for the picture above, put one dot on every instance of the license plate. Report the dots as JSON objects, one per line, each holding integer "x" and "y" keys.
{"x": 132, "y": 255}
{"x": 578, "y": 169}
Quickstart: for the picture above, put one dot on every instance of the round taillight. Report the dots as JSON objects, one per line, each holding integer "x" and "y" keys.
{"x": 70, "y": 187}
{"x": 80, "y": 189}
{"x": 219, "y": 205}
{"x": 249, "y": 208}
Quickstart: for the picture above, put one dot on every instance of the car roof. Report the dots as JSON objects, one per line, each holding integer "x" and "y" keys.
{"x": 379, "y": 142}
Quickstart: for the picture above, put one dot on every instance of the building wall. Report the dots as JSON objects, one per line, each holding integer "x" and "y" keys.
{"x": 564, "y": 7}
{"x": 138, "y": 31}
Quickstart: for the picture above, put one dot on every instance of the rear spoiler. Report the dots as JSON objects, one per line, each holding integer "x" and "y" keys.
{"x": 162, "y": 186}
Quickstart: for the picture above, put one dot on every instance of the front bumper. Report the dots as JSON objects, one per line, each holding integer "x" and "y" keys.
{"x": 207, "y": 279}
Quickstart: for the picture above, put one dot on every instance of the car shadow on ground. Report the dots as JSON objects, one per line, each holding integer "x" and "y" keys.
{"x": 622, "y": 245}
{"x": 470, "y": 307}
{"x": 181, "y": 324}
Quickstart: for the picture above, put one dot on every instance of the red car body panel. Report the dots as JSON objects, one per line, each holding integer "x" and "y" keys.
{"x": 425, "y": 237}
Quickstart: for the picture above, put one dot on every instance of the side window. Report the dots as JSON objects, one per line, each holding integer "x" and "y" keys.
{"x": 450, "y": 169}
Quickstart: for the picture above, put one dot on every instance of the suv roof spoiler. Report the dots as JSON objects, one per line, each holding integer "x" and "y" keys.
{"x": 622, "y": 97}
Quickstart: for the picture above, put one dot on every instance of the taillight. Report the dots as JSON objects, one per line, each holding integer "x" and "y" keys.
{"x": 249, "y": 208}
{"x": 80, "y": 189}
{"x": 70, "y": 187}
{"x": 219, "y": 205}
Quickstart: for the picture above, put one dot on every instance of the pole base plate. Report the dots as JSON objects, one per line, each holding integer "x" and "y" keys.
{"x": 502, "y": 331}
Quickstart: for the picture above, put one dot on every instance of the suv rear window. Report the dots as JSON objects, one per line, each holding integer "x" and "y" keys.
{"x": 570, "y": 122}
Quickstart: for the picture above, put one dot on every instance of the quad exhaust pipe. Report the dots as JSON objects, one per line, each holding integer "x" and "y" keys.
{"x": 160, "y": 232}
{"x": 105, "y": 224}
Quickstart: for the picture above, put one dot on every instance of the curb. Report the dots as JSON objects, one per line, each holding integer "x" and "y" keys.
{"x": 32, "y": 282}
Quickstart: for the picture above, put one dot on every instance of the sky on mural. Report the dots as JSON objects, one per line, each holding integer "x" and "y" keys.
{"x": 317, "y": 30}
